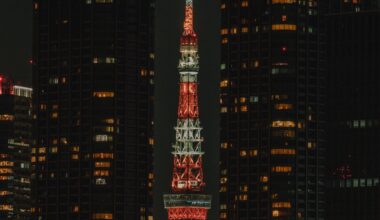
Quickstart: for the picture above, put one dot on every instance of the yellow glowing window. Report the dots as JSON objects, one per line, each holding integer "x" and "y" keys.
{"x": 283, "y": 106}
{"x": 283, "y": 151}
{"x": 54, "y": 150}
{"x": 264, "y": 179}
{"x": 244, "y": 188}
{"x": 244, "y": 30}
{"x": 6, "y": 207}
{"x": 101, "y": 173}
{"x": 223, "y": 180}
{"x": 244, "y": 108}
{"x": 283, "y": 124}
{"x": 6, "y": 117}
{"x": 224, "y": 31}
{"x": 75, "y": 149}
{"x": 243, "y": 99}
{"x": 103, "y": 155}
{"x": 103, "y": 216}
{"x": 43, "y": 107}
{"x": 283, "y": 1}
{"x": 104, "y": 94}
{"x": 75, "y": 157}
{"x": 223, "y": 215}
{"x": 223, "y": 109}
{"x": 223, "y": 189}
{"x": 244, "y": 4}
{"x": 224, "y": 40}
{"x": 243, "y": 153}
{"x": 109, "y": 121}
{"x": 284, "y": 27}
{"x": 224, "y": 83}
{"x": 234, "y": 30}
{"x": 54, "y": 115}
{"x": 42, "y": 150}
{"x": 282, "y": 169}
{"x": 103, "y": 164}
{"x": 281, "y": 205}
{"x": 275, "y": 213}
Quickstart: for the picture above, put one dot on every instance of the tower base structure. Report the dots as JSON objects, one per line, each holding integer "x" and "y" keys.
{"x": 187, "y": 206}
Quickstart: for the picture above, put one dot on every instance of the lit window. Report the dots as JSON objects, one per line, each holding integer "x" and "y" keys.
{"x": 275, "y": 213}
{"x": 224, "y": 145}
{"x": 284, "y": 27}
{"x": 244, "y": 4}
{"x": 223, "y": 180}
{"x": 6, "y": 207}
{"x": 283, "y": 106}
{"x": 104, "y": 94}
{"x": 223, "y": 109}
{"x": 284, "y": 18}
{"x": 103, "y": 216}
{"x": 254, "y": 99}
{"x": 100, "y": 181}
{"x": 224, "y": 83}
{"x": 109, "y": 121}
{"x": 224, "y": 31}
{"x": 243, "y": 99}
{"x": 54, "y": 115}
{"x": 108, "y": 60}
{"x": 223, "y": 6}
{"x": 54, "y": 150}
{"x": 284, "y": 133}
{"x": 243, "y": 197}
{"x": 244, "y": 30}
{"x": 224, "y": 40}
{"x": 102, "y": 155}
{"x": 151, "y": 141}
{"x": 75, "y": 157}
{"x": 264, "y": 179}
{"x": 6, "y": 117}
{"x": 244, "y": 108}
{"x": 42, "y": 150}
{"x": 283, "y": 124}
{"x": 41, "y": 158}
{"x": 243, "y": 153}
{"x": 103, "y": 138}
{"x": 5, "y": 193}
{"x": 102, "y": 164}
{"x": 281, "y": 205}
{"x": 76, "y": 208}
{"x": 283, "y": 151}
{"x": 282, "y": 169}
{"x": 234, "y": 30}
{"x": 101, "y": 173}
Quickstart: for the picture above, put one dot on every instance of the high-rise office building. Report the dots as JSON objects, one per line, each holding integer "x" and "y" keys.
{"x": 353, "y": 110}
{"x": 15, "y": 139}
{"x": 93, "y": 80}
{"x": 272, "y": 110}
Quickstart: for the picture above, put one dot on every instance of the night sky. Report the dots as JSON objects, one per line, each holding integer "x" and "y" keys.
{"x": 16, "y": 49}
{"x": 16, "y": 39}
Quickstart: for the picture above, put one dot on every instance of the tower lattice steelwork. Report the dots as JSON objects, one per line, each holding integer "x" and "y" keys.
{"x": 187, "y": 202}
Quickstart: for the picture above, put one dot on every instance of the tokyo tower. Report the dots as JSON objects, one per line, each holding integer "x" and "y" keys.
{"x": 187, "y": 201}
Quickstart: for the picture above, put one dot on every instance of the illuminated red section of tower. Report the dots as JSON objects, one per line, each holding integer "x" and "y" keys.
{"x": 187, "y": 201}
{"x": 6, "y": 85}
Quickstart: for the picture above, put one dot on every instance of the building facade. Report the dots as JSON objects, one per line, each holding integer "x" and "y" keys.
{"x": 272, "y": 110}
{"x": 353, "y": 110}
{"x": 15, "y": 139}
{"x": 93, "y": 79}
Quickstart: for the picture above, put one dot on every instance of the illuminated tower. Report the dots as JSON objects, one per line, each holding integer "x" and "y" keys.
{"x": 187, "y": 200}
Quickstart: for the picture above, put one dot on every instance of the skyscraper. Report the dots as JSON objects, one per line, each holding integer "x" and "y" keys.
{"x": 15, "y": 139}
{"x": 187, "y": 200}
{"x": 353, "y": 110}
{"x": 272, "y": 110}
{"x": 93, "y": 79}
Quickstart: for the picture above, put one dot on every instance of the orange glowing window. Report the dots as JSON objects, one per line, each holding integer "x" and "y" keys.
{"x": 102, "y": 216}
{"x": 102, "y": 164}
{"x": 101, "y": 173}
{"x": 244, "y": 4}
{"x": 6, "y": 207}
{"x": 6, "y": 117}
{"x": 243, "y": 197}
{"x": 224, "y": 40}
{"x": 284, "y": 18}
{"x": 234, "y": 30}
{"x": 76, "y": 209}
{"x": 253, "y": 153}
{"x": 5, "y": 171}
{"x": 243, "y": 153}
{"x": 275, "y": 213}
{"x": 244, "y": 108}
{"x": 224, "y": 31}
{"x": 103, "y": 156}
{"x": 75, "y": 157}
{"x": 41, "y": 158}
{"x": 244, "y": 30}
{"x": 33, "y": 159}
{"x": 282, "y": 169}
{"x": 283, "y": 151}
{"x": 5, "y": 193}
{"x": 6, "y": 164}
{"x": 224, "y": 83}
{"x": 104, "y": 94}
{"x": 282, "y": 106}
{"x": 281, "y": 205}
{"x": 223, "y": 6}
{"x": 264, "y": 179}
{"x": 284, "y": 27}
